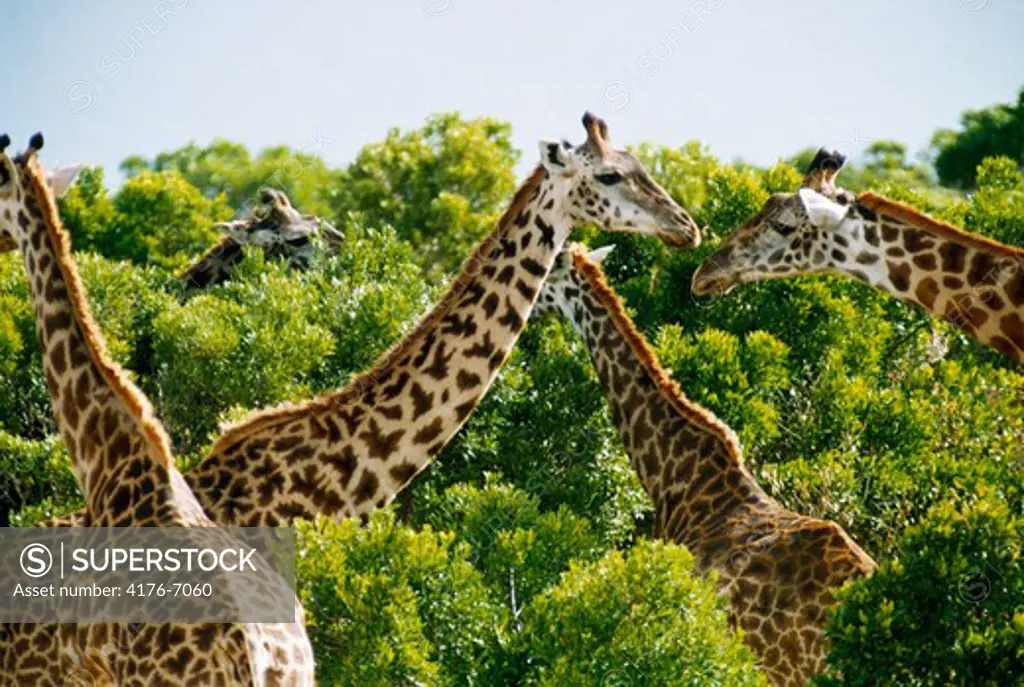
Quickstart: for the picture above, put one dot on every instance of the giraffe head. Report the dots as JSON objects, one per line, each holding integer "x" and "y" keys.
{"x": 16, "y": 188}
{"x": 794, "y": 233}
{"x": 611, "y": 189}
{"x": 274, "y": 223}
{"x": 556, "y": 294}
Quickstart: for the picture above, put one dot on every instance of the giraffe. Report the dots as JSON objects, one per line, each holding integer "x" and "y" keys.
{"x": 352, "y": 450}
{"x": 973, "y": 282}
{"x": 777, "y": 568}
{"x": 274, "y": 225}
{"x": 123, "y": 461}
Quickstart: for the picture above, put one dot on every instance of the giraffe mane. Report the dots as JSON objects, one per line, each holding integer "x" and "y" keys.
{"x": 905, "y": 213}
{"x": 693, "y": 412}
{"x": 261, "y": 419}
{"x": 135, "y": 402}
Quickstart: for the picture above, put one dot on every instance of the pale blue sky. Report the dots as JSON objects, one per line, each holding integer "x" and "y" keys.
{"x": 753, "y": 78}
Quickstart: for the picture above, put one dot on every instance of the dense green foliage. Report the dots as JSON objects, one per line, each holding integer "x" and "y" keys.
{"x": 965, "y": 628}
{"x": 519, "y": 558}
{"x": 988, "y": 132}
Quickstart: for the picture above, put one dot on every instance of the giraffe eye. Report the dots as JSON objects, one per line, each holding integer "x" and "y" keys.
{"x": 781, "y": 227}
{"x": 609, "y": 178}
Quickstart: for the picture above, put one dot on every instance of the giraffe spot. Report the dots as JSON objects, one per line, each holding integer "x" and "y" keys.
{"x": 467, "y": 380}
{"x": 1013, "y": 327}
{"x": 367, "y": 488}
{"x": 430, "y": 432}
{"x": 463, "y": 410}
{"x": 58, "y": 359}
{"x": 393, "y": 412}
{"x": 899, "y": 275}
{"x": 547, "y": 231}
{"x": 481, "y": 349}
{"x": 871, "y": 234}
{"x": 401, "y": 474}
{"x": 473, "y": 294}
{"x": 865, "y": 258}
{"x": 491, "y": 304}
{"x": 511, "y": 319}
{"x": 992, "y": 300}
{"x": 952, "y": 282}
{"x": 392, "y": 390}
{"x": 69, "y": 409}
{"x": 954, "y": 257}
{"x": 424, "y": 352}
{"x": 927, "y": 291}
{"x": 58, "y": 321}
{"x": 838, "y": 255}
{"x": 422, "y": 400}
{"x": 438, "y": 368}
{"x": 916, "y": 241}
{"x": 895, "y": 252}
{"x": 287, "y": 443}
{"x": 926, "y": 261}
{"x": 333, "y": 430}
{"x": 983, "y": 269}
{"x": 299, "y": 453}
{"x": 532, "y": 266}
{"x": 344, "y": 463}
{"x": 506, "y": 274}
{"x": 380, "y": 444}
{"x": 525, "y": 290}
{"x": 889, "y": 232}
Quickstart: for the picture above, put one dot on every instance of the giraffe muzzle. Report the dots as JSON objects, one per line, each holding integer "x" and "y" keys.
{"x": 709, "y": 280}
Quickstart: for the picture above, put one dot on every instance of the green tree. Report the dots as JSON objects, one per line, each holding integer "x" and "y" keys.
{"x": 441, "y": 187}
{"x": 946, "y": 611}
{"x": 988, "y": 132}
{"x": 228, "y": 168}
{"x": 155, "y": 217}
{"x": 387, "y": 605}
{"x": 640, "y": 617}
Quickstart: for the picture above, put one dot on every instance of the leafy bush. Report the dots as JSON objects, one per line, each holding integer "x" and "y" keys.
{"x": 441, "y": 187}
{"x": 949, "y": 610}
{"x": 387, "y": 605}
{"x": 520, "y": 549}
{"x": 635, "y": 618}
{"x": 34, "y": 473}
{"x": 154, "y": 217}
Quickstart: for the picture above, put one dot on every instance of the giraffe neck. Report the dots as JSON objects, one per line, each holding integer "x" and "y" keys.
{"x": 101, "y": 416}
{"x": 213, "y": 267}
{"x": 349, "y": 452}
{"x": 976, "y": 284}
{"x": 688, "y": 461}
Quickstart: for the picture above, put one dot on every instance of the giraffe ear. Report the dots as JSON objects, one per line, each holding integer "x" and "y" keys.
{"x": 823, "y": 212}
{"x": 60, "y": 179}
{"x": 598, "y": 255}
{"x": 556, "y": 157}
